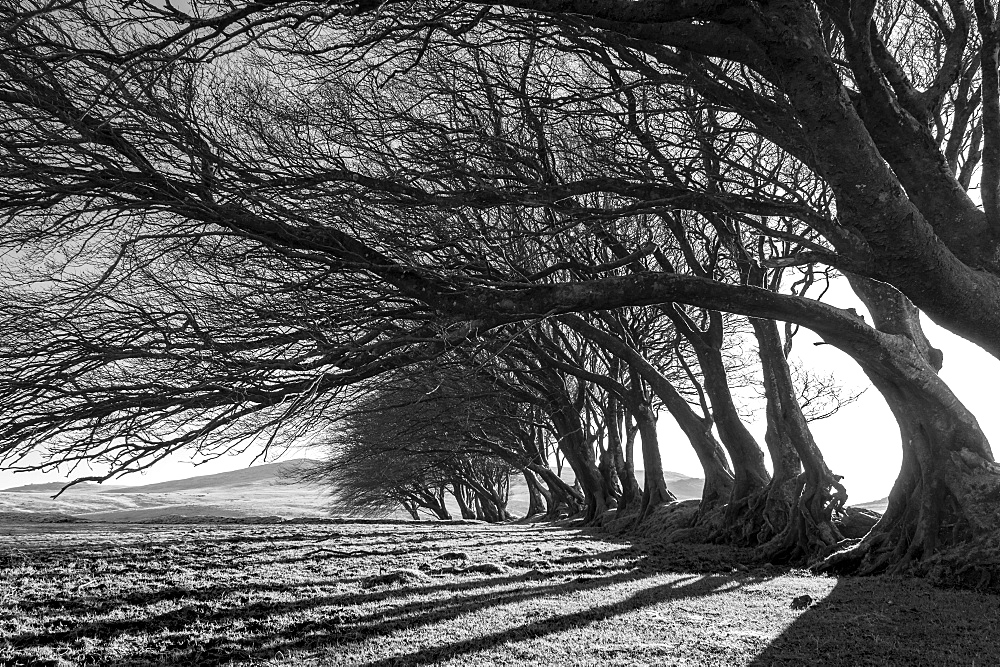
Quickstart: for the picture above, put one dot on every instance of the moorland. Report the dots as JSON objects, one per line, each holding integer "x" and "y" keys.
{"x": 452, "y": 593}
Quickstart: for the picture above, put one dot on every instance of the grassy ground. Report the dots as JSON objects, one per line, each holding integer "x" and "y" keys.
{"x": 419, "y": 594}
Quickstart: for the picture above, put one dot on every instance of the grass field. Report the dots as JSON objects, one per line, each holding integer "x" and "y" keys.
{"x": 425, "y": 594}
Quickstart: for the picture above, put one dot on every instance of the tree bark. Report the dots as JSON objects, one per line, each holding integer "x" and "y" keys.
{"x": 625, "y": 464}
{"x": 943, "y": 516}
{"x": 410, "y": 507}
{"x": 572, "y": 443}
{"x": 718, "y": 475}
{"x": 563, "y": 494}
{"x": 609, "y": 473}
{"x": 539, "y": 501}
{"x": 463, "y": 500}
{"x": 750, "y": 473}
{"x": 799, "y": 510}
{"x": 654, "y": 488}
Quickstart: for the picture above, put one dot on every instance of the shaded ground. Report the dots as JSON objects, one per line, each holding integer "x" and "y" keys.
{"x": 420, "y": 594}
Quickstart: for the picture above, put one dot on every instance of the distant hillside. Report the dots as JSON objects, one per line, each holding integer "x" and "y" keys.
{"x": 268, "y": 474}
{"x": 682, "y": 486}
{"x": 54, "y": 487}
{"x": 875, "y": 505}
{"x": 257, "y": 491}
{"x": 686, "y": 488}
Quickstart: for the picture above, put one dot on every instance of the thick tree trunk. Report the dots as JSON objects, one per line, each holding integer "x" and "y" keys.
{"x": 943, "y": 517}
{"x": 654, "y": 489}
{"x": 606, "y": 466}
{"x": 435, "y": 503}
{"x": 625, "y": 465}
{"x": 799, "y": 507}
{"x": 539, "y": 500}
{"x": 410, "y": 507}
{"x": 631, "y": 431}
{"x": 464, "y": 500}
{"x": 719, "y": 477}
{"x": 573, "y": 445}
{"x": 489, "y": 502}
{"x": 750, "y": 473}
{"x": 596, "y": 495}
{"x": 442, "y": 512}
{"x": 564, "y": 496}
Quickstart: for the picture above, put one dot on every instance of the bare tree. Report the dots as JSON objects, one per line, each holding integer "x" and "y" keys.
{"x": 404, "y": 181}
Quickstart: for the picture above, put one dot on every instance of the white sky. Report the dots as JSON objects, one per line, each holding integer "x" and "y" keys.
{"x": 861, "y": 442}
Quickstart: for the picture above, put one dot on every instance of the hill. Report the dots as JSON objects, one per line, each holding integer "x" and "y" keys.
{"x": 682, "y": 486}
{"x": 686, "y": 488}
{"x": 267, "y": 474}
{"x": 875, "y": 505}
{"x": 261, "y": 490}
{"x": 54, "y": 487}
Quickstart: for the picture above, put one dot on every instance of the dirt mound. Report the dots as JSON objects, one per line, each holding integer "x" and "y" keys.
{"x": 402, "y": 577}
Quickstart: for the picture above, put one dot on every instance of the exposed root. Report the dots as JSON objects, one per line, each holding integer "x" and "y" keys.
{"x": 790, "y": 522}
{"x": 947, "y": 532}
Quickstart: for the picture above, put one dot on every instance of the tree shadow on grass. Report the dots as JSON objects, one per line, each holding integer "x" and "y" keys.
{"x": 220, "y": 624}
{"x": 688, "y": 587}
{"x": 250, "y": 631}
{"x": 200, "y": 602}
{"x": 421, "y": 613}
{"x": 890, "y": 621}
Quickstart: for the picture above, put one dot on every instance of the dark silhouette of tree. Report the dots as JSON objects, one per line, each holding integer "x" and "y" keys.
{"x": 409, "y": 441}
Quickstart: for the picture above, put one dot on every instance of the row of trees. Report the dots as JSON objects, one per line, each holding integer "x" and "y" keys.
{"x": 230, "y": 222}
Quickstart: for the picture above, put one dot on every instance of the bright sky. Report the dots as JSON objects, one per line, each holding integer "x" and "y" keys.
{"x": 861, "y": 442}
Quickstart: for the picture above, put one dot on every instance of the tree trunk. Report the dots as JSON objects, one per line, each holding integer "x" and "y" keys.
{"x": 654, "y": 488}
{"x": 719, "y": 477}
{"x": 539, "y": 501}
{"x": 435, "y": 503}
{"x": 463, "y": 500}
{"x": 493, "y": 506}
{"x": 606, "y": 466}
{"x": 578, "y": 454}
{"x": 943, "y": 517}
{"x": 410, "y": 507}
{"x": 799, "y": 507}
{"x": 563, "y": 494}
{"x": 750, "y": 474}
{"x": 625, "y": 465}
{"x": 631, "y": 431}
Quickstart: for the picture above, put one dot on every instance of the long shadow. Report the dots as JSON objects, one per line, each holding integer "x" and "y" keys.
{"x": 178, "y": 618}
{"x": 99, "y": 604}
{"x": 700, "y": 587}
{"x": 342, "y": 624}
{"x": 890, "y": 621}
{"x": 423, "y": 613}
